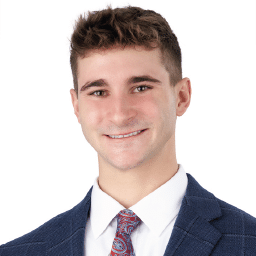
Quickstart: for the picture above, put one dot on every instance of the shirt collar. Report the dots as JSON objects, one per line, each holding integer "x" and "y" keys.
{"x": 164, "y": 202}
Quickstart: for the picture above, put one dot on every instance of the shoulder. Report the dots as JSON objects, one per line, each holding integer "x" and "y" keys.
{"x": 236, "y": 221}
{"x": 36, "y": 240}
{"x": 50, "y": 235}
{"x": 237, "y": 228}
{"x": 218, "y": 211}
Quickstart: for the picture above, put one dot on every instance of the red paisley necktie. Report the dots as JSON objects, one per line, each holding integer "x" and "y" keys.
{"x": 127, "y": 221}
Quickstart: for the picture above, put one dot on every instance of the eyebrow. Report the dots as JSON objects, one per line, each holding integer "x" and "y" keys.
{"x": 96, "y": 83}
{"x": 138, "y": 79}
{"x": 131, "y": 80}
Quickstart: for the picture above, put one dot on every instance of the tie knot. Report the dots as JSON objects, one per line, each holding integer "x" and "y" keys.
{"x": 127, "y": 221}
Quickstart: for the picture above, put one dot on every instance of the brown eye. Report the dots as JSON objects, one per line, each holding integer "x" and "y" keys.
{"x": 97, "y": 93}
{"x": 143, "y": 86}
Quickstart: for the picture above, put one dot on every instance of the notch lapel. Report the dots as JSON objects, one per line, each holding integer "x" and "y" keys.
{"x": 71, "y": 230}
{"x": 192, "y": 233}
{"x": 79, "y": 220}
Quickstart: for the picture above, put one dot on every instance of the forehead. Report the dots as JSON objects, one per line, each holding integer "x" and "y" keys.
{"x": 117, "y": 59}
{"x": 120, "y": 48}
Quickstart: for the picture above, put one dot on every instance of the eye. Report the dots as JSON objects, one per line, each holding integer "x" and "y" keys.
{"x": 97, "y": 93}
{"x": 143, "y": 86}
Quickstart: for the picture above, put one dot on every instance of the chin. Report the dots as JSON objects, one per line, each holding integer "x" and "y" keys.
{"x": 125, "y": 165}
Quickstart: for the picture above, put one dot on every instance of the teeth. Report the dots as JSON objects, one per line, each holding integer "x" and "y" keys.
{"x": 124, "y": 136}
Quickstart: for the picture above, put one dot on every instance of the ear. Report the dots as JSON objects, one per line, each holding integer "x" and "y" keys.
{"x": 75, "y": 103}
{"x": 183, "y": 95}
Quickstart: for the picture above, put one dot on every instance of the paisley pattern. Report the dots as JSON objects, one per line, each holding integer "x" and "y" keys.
{"x": 127, "y": 221}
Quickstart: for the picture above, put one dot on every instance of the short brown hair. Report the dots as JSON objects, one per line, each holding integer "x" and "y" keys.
{"x": 126, "y": 26}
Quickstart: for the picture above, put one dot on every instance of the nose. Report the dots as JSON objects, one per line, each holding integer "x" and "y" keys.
{"x": 122, "y": 110}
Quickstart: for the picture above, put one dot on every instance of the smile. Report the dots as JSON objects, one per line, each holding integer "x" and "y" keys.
{"x": 126, "y": 135}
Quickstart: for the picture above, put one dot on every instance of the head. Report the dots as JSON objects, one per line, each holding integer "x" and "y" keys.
{"x": 129, "y": 26}
{"x": 134, "y": 60}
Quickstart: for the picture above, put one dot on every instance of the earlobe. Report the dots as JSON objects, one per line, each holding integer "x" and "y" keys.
{"x": 75, "y": 103}
{"x": 183, "y": 96}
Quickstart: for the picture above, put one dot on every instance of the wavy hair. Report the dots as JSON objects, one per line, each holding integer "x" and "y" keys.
{"x": 128, "y": 26}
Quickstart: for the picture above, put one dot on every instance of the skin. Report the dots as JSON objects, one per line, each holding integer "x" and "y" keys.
{"x": 130, "y": 168}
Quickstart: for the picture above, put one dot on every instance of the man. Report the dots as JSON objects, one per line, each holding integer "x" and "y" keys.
{"x": 128, "y": 92}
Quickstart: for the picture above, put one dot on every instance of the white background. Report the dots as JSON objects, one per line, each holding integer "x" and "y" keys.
{"x": 47, "y": 166}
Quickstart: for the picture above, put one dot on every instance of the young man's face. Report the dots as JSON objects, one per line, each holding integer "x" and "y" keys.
{"x": 130, "y": 92}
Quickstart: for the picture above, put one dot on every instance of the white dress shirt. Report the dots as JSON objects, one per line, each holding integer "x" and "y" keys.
{"x": 157, "y": 211}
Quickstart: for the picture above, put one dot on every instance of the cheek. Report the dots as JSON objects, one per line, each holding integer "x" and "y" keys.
{"x": 151, "y": 107}
{"x": 90, "y": 114}
{"x": 161, "y": 110}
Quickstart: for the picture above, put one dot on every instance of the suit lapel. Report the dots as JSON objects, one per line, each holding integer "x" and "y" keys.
{"x": 79, "y": 220}
{"x": 192, "y": 233}
{"x": 70, "y": 229}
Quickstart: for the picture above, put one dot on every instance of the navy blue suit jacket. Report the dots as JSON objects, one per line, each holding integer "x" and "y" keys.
{"x": 205, "y": 226}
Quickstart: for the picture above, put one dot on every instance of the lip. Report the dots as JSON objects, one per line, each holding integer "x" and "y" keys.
{"x": 126, "y": 133}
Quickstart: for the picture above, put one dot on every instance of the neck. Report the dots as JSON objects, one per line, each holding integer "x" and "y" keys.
{"x": 129, "y": 186}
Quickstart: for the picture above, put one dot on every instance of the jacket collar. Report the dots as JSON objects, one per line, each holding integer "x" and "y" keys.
{"x": 192, "y": 233}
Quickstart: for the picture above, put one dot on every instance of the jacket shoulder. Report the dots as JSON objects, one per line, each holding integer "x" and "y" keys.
{"x": 234, "y": 214}
{"x": 237, "y": 227}
{"x": 49, "y": 237}
{"x": 34, "y": 242}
